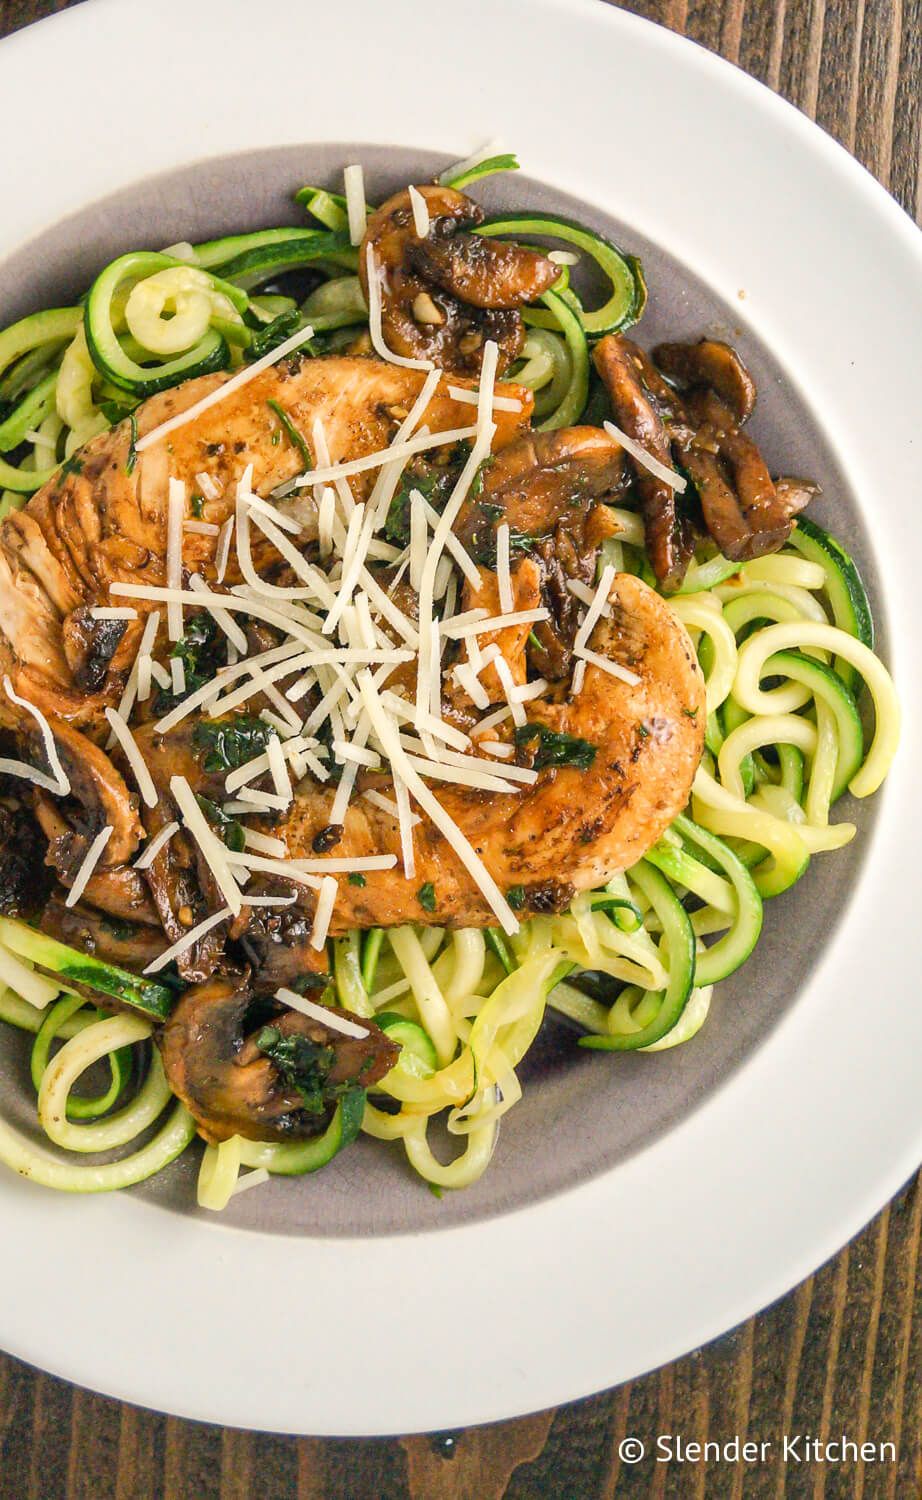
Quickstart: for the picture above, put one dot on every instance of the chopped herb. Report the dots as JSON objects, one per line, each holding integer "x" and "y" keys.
{"x": 434, "y": 486}
{"x": 201, "y": 650}
{"x": 230, "y": 830}
{"x": 690, "y": 713}
{"x": 478, "y": 479}
{"x": 231, "y": 742}
{"x": 483, "y": 546}
{"x": 556, "y": 749}
{"x": 533, "y": 641}
{"x": 516, "y": 897}
{"x": 643, "y": 732}
{"x": 491, "y": 511}
{"x": 292, "y": 433}
{"x": 72, "y": 465}
{"x": 198, "y": 505}
{"x": 356, "y": 878}
{"x": 426, "y": 896}
{"x": 276, "y": 437}
{"x": 132, "y": 444}
{"x": 303, "y": 1064}
{"x": 275, "y": 333}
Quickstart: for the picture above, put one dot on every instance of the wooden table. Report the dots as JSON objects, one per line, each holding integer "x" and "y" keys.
{"x": 842, "y": 1353}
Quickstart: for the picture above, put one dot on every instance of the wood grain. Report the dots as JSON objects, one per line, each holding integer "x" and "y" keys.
{"x": 841, "y": 1353}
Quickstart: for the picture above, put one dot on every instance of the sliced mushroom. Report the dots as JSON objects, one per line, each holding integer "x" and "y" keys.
{"x": 120, "y": 890}
{"x": 668, "y": 534}
{"x": 89, "y": 646}
{"x": 24, "y": 878}
{"x": 215, "y": 1065}
{"x": 762, "y": 522}
{"x": 795, "y": 494}
{"x": 710, "y": 363}
{"x": 444, "y": 295}
{"x": 277, "y": 940}
{"x": 99, "y": 798}
{"x": 539, "y": 481}
{"x": 114, "y": 940}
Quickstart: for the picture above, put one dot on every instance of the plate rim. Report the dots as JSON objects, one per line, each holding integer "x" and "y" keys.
{"x": 534, "y": 1366}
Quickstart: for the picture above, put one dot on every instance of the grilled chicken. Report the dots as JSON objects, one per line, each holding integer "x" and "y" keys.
{"x": 573, "y": 828}
{"x": 100, "y": 524}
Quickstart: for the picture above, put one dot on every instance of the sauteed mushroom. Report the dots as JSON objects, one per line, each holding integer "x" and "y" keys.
{"x": 214, "y": 1063}
{"x": 444, "y": 295}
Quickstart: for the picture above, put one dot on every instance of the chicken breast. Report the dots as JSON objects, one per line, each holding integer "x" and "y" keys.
{"x": 573, "y": 829}
{"x": 105, "y": 520}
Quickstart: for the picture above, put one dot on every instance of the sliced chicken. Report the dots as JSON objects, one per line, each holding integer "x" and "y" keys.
{"x": 100, "y": 523}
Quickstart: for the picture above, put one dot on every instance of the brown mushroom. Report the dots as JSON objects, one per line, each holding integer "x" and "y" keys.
{"x": 714, "y": 364}
{"x": 98, "y": 798}
{"x": 119, "y": 890}
{"x": 214, "y": 1063}
{"x": 747, "y": 520}
{"x": 668, "y": 534}
{"x": 445, "y": 294}
{"x": 89, "y": 646}
{"x": 114, "y": 940}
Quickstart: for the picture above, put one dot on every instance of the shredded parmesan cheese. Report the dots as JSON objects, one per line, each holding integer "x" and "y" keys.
{"x": 175, "y": 508}
{"x": 187, "y": 940}
{"x": 321, "y": 925}
{"x": 420, "y": 213}
{"x": 88, "y": 865}
{"x": 58, "y": 782}
{"x": 374, "y": 319}
{"x": 354, "y": 183}
{"x": 145, "y": 860}
{"x": 213, "y": 851}
{"x": 135, "y": 759}
{"x": 208, "y": 487}
{"x": 320, "y": 1013}
{"x": 645, "y": 459}
{"x": 122, "y": 612}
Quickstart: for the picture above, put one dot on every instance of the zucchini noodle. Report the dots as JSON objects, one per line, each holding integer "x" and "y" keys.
{"x": 785, "y": 644}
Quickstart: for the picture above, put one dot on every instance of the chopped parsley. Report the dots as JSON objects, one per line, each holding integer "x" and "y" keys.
{"x": 272, "y": 334}
{"x": 435, "y": 485}
{"x": 555, "y": 748}
{"x": 72, "y": 465}
{"x": 198, "y": 505}
{"x": 291, "y": 432}
{"x": 356, "y": 878}
{"x": 426, "y": 896}
{"x": 230, "y": 830}
{"x": 132, "y": 444}
{"x": 516, "y": 897}
{"x": 690, "y": 713}
{"x": 304, "y": 1065}
{"x": 231, "y": 742}
{"x": 202, "y": 649}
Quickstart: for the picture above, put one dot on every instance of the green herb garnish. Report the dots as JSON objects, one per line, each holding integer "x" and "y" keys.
{"x": 197, "y": 504}
{"x": 555, "y": 748}
{"x": 292, "y": 433}
{"x": 201, "y": 650}
{"x": 231, "y": 831}
{"x": 516, "y": 897}
{"x": 426, "y": 896}
{"x": 72, "y": 465}
{"x": 356, "y": 878}
{"x": 231, "y": 742}
{"x": 132, "y": 444}
{"x": 275, "y": 333}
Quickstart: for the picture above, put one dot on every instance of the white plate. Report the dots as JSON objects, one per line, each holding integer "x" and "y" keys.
{"x": 821, "y": 1126}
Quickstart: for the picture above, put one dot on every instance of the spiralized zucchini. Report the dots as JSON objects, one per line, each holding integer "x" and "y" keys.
{"x": 785, "y": 644}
